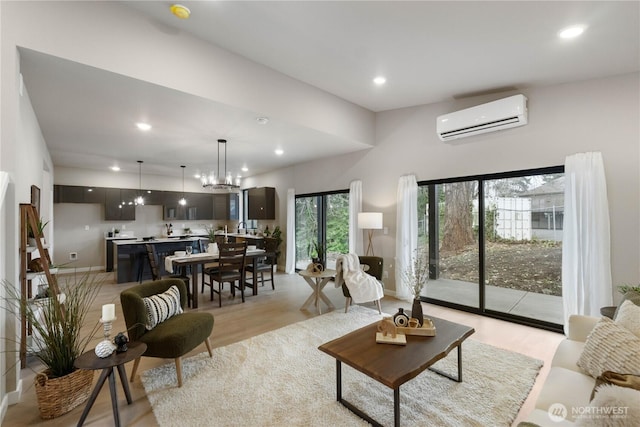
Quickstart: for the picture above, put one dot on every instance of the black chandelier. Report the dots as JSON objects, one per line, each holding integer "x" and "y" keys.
{"x": 219, "y": 181}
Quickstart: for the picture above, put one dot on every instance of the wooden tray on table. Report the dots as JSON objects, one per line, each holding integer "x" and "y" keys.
{"x": 428, "y": 329}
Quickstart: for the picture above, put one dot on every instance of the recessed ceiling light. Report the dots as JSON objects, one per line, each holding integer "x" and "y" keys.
{"x": 571, "y": 32}
{"x": 279, "y": 152}
{"x": 245, "y": 169}
{"x": 380, "y": 80}
{"x": 197, "y": 176}
{"x": 143, "y": 126}
{"x": 262, "y": 120}
{"x": 115, "y": 168}
{"x": 180, "y": 11}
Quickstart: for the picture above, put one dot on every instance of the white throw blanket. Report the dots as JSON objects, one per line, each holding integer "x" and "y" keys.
{"x": 363, "y": 287}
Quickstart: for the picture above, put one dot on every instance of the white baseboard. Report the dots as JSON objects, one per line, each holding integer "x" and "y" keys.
{"x": 71, "y": 270}
{"x": 10, "y": 398}
{"x": 13, "y": 397}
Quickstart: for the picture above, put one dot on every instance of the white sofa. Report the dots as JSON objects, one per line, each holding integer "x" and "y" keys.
{"x": 566, "y": 384}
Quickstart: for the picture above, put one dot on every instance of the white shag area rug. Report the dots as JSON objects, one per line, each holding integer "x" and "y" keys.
{"x": 281, "y": 378}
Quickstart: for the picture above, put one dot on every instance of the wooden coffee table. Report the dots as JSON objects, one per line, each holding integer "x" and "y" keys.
{"x": 394, "y": 365}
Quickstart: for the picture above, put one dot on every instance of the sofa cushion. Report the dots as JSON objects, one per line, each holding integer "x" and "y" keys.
{"x": 612, "y": 406}
{"x": 162, "y": 306}
{"x": 570, "y": 388}
{"x": 629, "y": 316}
{"x": 610, "y": 347}
{"x": 541, "y": 418}
{"x": 567, "y": 355}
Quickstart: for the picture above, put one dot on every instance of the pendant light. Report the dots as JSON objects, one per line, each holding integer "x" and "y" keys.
{"x": 139, "y": 200}
{"x": 220, "y": 181}
{"x": 182, "y": 201}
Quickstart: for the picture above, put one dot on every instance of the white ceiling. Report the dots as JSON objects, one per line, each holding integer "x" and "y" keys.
{"x": 428, "y": 51}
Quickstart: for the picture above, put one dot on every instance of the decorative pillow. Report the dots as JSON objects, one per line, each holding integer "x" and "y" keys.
{"x": 632, "y": 296}
{"x": 613, "y": 406}
{"x": 628, "y": 315}
{"x": 614, "y": 378}
{"x": 610, "y": 347}
{"x": 162, "y": 306}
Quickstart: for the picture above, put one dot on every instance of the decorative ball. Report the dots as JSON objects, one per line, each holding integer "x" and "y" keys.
{"x": 104, "y": 349}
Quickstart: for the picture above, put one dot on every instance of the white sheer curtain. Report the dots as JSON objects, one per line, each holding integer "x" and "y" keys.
{"x": 406, "y": 231}
{"x": 355, "y": 205}
{"x": 586, "y": 261}
{"x": 290, "y": 266}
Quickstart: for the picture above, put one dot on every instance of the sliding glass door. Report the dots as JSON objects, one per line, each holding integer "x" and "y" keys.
{"x": 495, "y": 244}
{"x": 453, "y": 243}
{"x": 322, "y": 227}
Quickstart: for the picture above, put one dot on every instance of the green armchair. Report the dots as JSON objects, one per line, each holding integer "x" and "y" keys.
{"x": 172, "y": 338}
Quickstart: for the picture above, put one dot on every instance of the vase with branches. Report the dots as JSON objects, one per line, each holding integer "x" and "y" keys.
{"x": 416, "y": 276}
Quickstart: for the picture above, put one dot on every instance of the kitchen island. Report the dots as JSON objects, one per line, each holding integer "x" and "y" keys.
{"x": 132, "y": 264}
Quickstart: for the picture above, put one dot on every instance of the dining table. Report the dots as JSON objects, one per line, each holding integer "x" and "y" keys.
{"x": 176, "y": 262}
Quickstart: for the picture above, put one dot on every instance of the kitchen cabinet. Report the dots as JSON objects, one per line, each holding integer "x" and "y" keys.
{"x": 119, "y": 204}
{"x": 225, "y": 206}
{"x": 199, "y": 206}
{"x": 153, "y": 197}
{"x": 261, "y": 203}
{"x": 78, "y": 194}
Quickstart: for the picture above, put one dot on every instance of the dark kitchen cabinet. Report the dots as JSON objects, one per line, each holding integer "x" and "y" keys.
{"x": 94, "y": 195}
{"x": 199, "y": 206}
{"x": 118, "y": 205}
{"x": 261, "y": 203}
{"x": 225, "y": 206}
{"x": 78, "y": 194}
{"x": 153, "y": 197}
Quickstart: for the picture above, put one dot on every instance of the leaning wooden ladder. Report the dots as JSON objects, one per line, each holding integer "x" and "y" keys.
{"x": 29, "y": 220}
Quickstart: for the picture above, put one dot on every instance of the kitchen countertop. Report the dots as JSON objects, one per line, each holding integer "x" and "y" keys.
{"x": 158, "y": 240}
{"x": 246, "y": 236}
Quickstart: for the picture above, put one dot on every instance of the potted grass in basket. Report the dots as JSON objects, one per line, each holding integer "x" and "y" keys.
{"x": 58, "y": 339}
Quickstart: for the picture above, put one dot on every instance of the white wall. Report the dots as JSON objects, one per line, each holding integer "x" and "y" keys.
{"x": 24, "y": 156}
{"x": 597, "y": 115}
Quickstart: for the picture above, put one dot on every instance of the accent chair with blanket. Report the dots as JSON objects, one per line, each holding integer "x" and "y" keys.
{"x": 360, "y": 286}
{"x": 154, "y": 314}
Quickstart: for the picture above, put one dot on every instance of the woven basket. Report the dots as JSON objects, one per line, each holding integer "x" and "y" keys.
{"x": 57, "y": 396}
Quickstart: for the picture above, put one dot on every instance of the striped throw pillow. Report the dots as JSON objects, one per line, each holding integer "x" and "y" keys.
{"x": 610, "y": 347}
{"x": 162, "y": 306}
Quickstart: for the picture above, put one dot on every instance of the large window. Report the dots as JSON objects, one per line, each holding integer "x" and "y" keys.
{"x": 495, "y": 244}
{"x": 322, "y": 227}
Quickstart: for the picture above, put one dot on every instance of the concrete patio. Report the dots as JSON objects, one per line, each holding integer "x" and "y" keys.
{"x": 521, "y": 303}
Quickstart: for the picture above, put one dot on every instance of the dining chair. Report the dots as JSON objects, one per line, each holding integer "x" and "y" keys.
{"x": 230, "y": 269}
{"x": 152, "y": 256}
{"x": 209, "y": 267}
{"x": 265, "y": 264}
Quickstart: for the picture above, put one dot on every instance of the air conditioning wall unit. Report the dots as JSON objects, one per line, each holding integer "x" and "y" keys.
{"x": 496, "y": 115}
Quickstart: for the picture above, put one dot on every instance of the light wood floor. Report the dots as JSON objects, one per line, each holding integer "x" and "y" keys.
{"x": 268, "y": 311}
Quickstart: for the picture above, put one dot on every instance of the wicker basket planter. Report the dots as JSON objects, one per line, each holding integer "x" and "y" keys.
{"x": 57, "y": 396}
